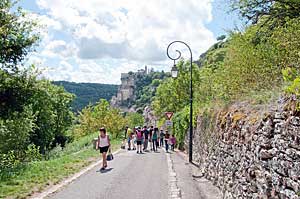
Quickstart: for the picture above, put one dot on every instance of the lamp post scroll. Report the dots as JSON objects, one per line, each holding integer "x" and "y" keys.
{"x": 174, "y": 73}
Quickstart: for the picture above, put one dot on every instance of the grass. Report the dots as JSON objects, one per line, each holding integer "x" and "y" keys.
{"x": 37, "y": 176}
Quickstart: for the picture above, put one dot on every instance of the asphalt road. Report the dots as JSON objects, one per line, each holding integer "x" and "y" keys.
{"x": 129, "y": 175}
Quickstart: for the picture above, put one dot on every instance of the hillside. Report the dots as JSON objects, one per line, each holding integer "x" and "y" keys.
{"x": 138, "y": 88}
{"x": 88, "y": 92}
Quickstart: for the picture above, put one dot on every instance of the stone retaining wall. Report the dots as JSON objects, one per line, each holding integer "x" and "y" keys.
{"x": 250, "y": 153}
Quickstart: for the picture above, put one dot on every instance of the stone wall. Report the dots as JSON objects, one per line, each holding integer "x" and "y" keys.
{"x": 250, "y": 152}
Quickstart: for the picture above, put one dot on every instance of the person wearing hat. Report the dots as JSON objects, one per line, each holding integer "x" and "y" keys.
{"x": 167, "y": 137}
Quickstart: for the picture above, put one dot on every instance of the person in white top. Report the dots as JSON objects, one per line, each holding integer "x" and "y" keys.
{"x": 103, "y": 144}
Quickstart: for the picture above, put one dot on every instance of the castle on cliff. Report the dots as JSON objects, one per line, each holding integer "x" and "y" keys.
{"x": 125, "y": 93}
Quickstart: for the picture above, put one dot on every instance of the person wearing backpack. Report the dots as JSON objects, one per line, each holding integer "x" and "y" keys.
{"x": 146, "y": 137}
{"x": 139, "y": 139}
{"x": 103, "y": 144}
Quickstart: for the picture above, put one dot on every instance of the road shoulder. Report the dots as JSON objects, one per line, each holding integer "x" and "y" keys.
{"x": 191, "y": 186}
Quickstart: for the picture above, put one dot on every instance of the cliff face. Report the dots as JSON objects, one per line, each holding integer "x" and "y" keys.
{"x": 126, "y": 95}
{"x": 249, "y": 152}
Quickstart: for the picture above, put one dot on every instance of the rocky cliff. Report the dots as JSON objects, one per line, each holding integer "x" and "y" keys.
{"x": 251, "y": 151}
{"x": 126, "y": 96}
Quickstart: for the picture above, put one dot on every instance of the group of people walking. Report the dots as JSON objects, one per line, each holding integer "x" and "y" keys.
{"x": 138, "y": 139}
{"x": 141, "y": 138}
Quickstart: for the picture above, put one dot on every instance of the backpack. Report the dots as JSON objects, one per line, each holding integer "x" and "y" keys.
{"x": 139, "y": 135}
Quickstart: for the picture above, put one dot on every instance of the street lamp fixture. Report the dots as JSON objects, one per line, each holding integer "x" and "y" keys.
{"x": 174, "y": 73}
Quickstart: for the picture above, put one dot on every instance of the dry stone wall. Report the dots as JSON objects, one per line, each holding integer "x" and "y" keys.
{"x": 250, "y": 153}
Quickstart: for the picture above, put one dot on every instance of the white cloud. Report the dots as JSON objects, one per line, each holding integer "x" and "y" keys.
{"x": 60, "y": 48}
{"x": 133, "y": 32}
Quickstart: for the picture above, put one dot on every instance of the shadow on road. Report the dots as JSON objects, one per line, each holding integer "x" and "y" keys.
{"x": 105, "y": 171}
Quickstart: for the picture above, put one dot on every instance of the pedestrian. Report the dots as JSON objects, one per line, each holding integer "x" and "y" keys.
{"x": 157, "y": 140}
{"x": 146, "y": 137}
{"x": 154, "y": 139}
{"x": 173, "y": 142}
{"x": 139, "y": 139}
{"x": 167, "y": 137}
{"x": 134, "y": 139}
{"x": 104, "y": 145}
{"x": 162, "y": 136}
{"x": 150, "y": 137}
{"x": 129, "y": 137}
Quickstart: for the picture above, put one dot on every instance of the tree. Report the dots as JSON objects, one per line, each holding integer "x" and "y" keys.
{"x": 221, "y": 38}
{"x": 17, "y": 35}
{"x": 134, "y": 119}
{"x": 36, "y": 111}
{"x": 274, "y": 12}
{"x": 32, "y": 111}
{"x": 92, "y": 118}
{"x": 173, "y": 94}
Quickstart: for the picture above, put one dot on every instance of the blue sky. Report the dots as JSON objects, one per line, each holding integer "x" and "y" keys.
{"x": 96, "y": 40}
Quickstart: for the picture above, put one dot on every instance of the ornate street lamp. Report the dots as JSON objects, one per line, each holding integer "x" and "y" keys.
{"x": 174, "y": 73}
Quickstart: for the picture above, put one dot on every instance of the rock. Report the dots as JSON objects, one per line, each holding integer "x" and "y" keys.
{"x": 295, "y": 186}
{"x": 287, "y": 193}
{"x": 295, "y": 121}
{"x": 279, "y": 115}
{"x": 265, "y": 155}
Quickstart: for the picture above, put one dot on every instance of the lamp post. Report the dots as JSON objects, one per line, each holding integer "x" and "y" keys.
{"x": 174, "y": 73}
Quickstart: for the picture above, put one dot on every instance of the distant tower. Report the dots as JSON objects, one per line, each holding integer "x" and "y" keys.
{"x": 146, "y": 69}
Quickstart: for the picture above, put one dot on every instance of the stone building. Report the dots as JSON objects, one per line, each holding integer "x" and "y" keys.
{"x": 125, "y": 95}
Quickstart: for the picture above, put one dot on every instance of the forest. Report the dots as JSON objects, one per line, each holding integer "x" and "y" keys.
{"x": 87, "y": 93}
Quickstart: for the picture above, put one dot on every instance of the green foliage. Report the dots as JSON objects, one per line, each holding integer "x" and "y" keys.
{"x": 221, "y": 38}
{"x": 292, "y": 80}
{"x": 34, "y": 111}
{"x": 273, "y": 12}
{"x": 145, "y": 88}
{"x": 294, "y": 87}
{"x": 92, "y": 118}
{"x": 134, "y": 119}
{"x": 180, "y": 126}
{"x": 173, "y": 94}
{"x": 52, "y": 110}
{"x": 32, "y": 153}
{"x": 88, "y": 93}
{"x": 8, "y": 163}
{"x": 15, "y": 132}
{"x": 17, "y": 35}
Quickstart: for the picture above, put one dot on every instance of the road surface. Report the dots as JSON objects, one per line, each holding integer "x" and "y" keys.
{"x": 129, "y": 175}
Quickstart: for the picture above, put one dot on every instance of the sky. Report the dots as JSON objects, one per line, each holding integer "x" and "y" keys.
{"x": 97, "y": 40}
